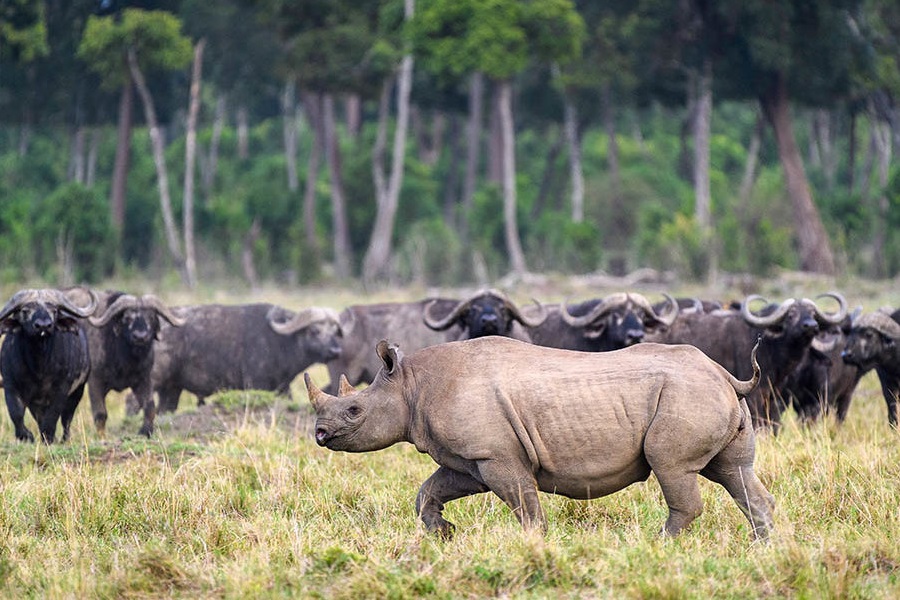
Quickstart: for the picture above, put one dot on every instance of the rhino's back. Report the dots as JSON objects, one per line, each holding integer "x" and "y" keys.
{"x": 579, "y": 419}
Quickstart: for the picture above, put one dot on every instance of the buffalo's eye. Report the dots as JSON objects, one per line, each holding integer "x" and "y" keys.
{"x": 353, "y": 411}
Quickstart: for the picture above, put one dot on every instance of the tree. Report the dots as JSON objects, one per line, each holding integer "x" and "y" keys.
{"x": 148, "y": 40}
{"x": 376, "y": 261}
{"x": 498, "y": 38}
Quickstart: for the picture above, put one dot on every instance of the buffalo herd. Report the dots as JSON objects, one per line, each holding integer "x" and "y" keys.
{"x": 812, "y": 352}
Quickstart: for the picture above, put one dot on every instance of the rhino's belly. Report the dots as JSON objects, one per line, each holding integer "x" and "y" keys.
{"x": 592, "y": 481}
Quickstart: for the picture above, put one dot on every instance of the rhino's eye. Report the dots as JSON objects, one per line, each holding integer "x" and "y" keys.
{"x": 353, "y": 411}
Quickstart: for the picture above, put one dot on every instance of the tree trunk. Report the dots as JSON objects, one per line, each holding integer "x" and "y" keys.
{"x": 123, "y": 158}
{"x": 612, "y": 151}
{"x": 76, "y": 159}
{"x": 473, "y": 145}
{"x": 90, "y": 174}
{"x": 813, "y": 243}
{"x": 701, "y": 130}
{"x": 243, "y": 133}
{"x": 495, "y": 139}
{"x": 752, "y": 160}
{"x": 289, "y": 126}
{"x": 576, "y": 172}
{"x": 429, "y": 139}
{"x": 212, "y": 161}
{"x": 851, "y": 154}
{"x": 353, "y": 108}
{"x": 190, "y": 155}
{"x": 312, "y": 104}
{"x": 247, "y": 263}
{"x": 826, "y": 146}
{"x": 884, "y": 145}
{"x": 511, "y": 227}
{"x": 159, "y": 158}
{"x": 342, "y": 249}
{"x": 377, "y": 260}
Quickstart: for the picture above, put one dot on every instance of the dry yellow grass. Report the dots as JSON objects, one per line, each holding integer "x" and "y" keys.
{"x": 240, "y": 502}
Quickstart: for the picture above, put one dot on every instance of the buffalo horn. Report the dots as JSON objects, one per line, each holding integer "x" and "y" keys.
{"x": 51, "y": 296}
{"x": 665, "y": 319}
{"x": 835, "y": 317}
{"x": 760, "y": 321}
{"x": 300, "y": 320}
{"x": 880, "y": 322}
{"x": 608, "y": 304}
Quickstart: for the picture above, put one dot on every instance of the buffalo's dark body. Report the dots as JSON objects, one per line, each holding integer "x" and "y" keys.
{"x": 234, "y": 347}
{"x": 877, "y": 346}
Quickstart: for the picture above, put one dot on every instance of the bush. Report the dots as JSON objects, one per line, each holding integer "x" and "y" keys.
{"x": 432, "y": 254}
{"x": 558, "y": 243}
{"x": 74, "y": 235}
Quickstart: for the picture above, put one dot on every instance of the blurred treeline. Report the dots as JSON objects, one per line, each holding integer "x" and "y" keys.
{"x": 645, "y": 133}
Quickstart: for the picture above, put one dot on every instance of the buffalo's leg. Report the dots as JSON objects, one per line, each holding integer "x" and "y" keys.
{"x": 443, "y": 486}
{"x": 733, "y": 469}
{"x": 168, "y": 398}
{"x": 68, "y": 412}
{"x": 98, "y": 406}
{"x": 515, "y": 485}
{"x": 17, "y": 416}
{"x": 47, "y": 423}
{"x": 144, "y": 396}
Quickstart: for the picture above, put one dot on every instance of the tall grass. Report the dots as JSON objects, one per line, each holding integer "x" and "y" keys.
{"x": 253, "y": 508}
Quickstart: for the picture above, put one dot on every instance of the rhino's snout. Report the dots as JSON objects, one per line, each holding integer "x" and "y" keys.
{"x": 322, "y": 436}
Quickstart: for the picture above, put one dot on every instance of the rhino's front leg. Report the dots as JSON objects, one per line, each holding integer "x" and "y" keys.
{"x": 443, "y": 486}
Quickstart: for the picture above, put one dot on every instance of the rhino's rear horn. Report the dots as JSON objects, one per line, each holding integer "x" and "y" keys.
{"x": 345, "y": 388}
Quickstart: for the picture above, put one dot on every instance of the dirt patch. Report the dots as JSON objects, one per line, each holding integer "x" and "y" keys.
{"x": 212, "y": 420}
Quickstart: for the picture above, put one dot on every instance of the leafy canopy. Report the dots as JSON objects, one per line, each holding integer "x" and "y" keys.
{"x": 155, "y": 36}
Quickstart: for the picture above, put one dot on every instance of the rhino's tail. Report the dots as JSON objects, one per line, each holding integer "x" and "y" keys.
{"x": 745, "y": 387}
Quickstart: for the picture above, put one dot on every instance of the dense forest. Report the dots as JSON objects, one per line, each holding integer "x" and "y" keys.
{"x": 446, "y": 141}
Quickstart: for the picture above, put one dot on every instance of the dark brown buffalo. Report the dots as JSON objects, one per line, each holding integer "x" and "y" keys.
{"x": 487, "y": 312}
{"x": 365, "y": 324}
{"x": 727, "y": 336}
{"x": 874, "y": 343}
{"x": 122, "y": 351}
{"x": 617, "y": 321}
{"x": 823, "y": 381}
{"x": 240, "y": 347}
{"x": 45, "y": 360}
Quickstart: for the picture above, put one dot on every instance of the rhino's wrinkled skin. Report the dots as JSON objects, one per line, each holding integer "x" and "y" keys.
{"x": 512, "y": 418}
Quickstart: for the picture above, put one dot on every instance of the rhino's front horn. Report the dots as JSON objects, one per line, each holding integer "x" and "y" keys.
{"x": 316, "y": 396}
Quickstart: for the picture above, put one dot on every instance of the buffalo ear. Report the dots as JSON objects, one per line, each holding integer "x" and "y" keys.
{"x": 344, "y": 387}
{"x": 66, "y": 323}
{"x": 9, "y": 324}
{"x": 390, "y": 355}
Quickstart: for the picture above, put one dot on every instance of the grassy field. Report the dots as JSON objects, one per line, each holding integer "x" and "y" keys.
{"x": 234, "y": 499}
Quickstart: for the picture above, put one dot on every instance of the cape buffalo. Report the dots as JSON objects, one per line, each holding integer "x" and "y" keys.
{"x": 45, "y": 359}
{"x": 874, "y": 342}
{"x": 121, "y": 342}
{"x": 488, "y": 312}
{"x": 248, "y": 346}
{"x": 513, "y": 418}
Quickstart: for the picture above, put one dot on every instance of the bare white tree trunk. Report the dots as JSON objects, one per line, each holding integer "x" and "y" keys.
{"x": 883, "y": 136}
{"x": 289, "y": 126}
{"x": 576, "y": 172}
{"x": 159, "y": 158}
{"x": 313, "y": 106}
{"x": 752, "y": 160}
{"x": 511, "y": 227}
{"x": 76, "y": 158}
{"x": 702, "y": 116}
{"x": 212, "y": 161}
{"x": 90, "y": 174}
{"x": 342, "y": 249}
{"x": 377, "y": 259}
{"x": 476, "y": 116}
{"x": 190, "y": 156}
{"x": 243, "y": 133}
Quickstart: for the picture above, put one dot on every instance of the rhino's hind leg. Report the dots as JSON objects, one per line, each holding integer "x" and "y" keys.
{"x": 443, "y": 486}
{"x": 516, "y": 486}
{"x": 733, "y": 469}
{"x": 682, "y": 493}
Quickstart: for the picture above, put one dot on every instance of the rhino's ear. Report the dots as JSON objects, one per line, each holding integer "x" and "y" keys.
{"x": 390, "y": 355}
{"x": 316, "y": 396}
{"x": 345, "y": 389}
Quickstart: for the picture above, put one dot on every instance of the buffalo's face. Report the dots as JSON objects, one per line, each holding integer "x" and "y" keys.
{"x": 799, "y": 323}
{"x": 487, "y": 317}
{"x": 618, "y": 329}
{"x": 866, "y": 348}
{"x": 322, "y": 340}
{"x": 139, "y": 326}
{"x": 37, "y": 318}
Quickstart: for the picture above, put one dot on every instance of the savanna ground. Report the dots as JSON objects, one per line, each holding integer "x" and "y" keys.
{"x": 234, "y": 499}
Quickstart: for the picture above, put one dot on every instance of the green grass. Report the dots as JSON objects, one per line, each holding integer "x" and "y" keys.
{"x": 251, "y": 507}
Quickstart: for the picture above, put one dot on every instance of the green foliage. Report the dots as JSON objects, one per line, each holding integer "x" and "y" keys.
{"x": 558, "y": 243}
{"x": 75, "y": 218}
{"x": 23, "y": 30}
{"x": 431, "y": 253}
{"x": 155, "y": 36}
